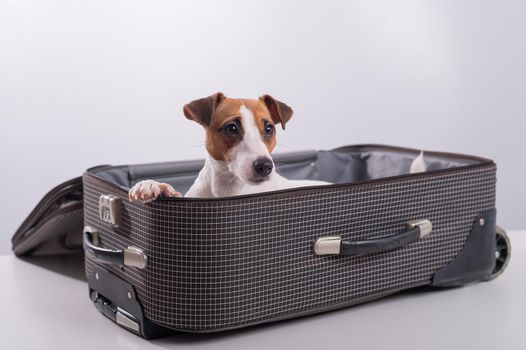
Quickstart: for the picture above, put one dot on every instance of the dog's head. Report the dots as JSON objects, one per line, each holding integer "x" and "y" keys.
{"x": 241, "y": 132}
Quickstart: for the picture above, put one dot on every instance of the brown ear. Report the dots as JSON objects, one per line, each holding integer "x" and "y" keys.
{"x": 202, "y": 110}
{"x": 280, "y": 112}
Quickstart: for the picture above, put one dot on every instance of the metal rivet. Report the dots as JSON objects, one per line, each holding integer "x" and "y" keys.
{"x": 97, "y": 276}
{"x": 482, "y": 222}
{"x": 129, "y": 295}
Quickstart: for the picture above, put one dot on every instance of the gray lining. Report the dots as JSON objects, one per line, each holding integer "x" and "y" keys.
{"x": 343, "y": 165}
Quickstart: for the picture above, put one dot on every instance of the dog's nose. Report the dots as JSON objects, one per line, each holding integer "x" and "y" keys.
{"x": 263, "y": 166}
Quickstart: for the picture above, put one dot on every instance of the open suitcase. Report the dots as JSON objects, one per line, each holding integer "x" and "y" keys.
{"x": 208, "y": 265}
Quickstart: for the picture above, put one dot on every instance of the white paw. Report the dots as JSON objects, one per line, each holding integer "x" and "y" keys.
{"x": 147, "y": 190}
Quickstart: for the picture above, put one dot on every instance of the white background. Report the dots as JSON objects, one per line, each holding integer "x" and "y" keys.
{"x": 84, "y": 83}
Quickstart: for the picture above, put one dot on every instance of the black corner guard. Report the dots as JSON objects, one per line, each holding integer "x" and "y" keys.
{"x": 117, "y": 300}
{"x": 476, "y": 260}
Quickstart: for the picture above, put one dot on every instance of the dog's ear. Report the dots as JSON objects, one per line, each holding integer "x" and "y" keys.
{"x": 280, "y": 112}
{"x": 202, "y": 110}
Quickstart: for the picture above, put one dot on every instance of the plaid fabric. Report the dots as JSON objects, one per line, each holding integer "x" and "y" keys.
{"x": 225, "y": 263}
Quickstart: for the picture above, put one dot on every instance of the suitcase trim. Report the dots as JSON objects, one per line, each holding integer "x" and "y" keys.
{"x": 479, "y": 163}
{"x": 476, "y": 260}
{"x": 117, "y": 300}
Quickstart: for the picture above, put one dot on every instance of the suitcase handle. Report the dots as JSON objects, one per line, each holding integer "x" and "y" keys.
{"x": 334, "y": 245}
{"x": 131, "y": 256}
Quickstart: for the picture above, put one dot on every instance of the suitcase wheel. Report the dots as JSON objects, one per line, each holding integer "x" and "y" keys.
{"x": 502, "y": 253}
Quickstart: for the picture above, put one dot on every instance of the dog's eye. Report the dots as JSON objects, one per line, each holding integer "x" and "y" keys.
{"x": 232, "y": 129}
{"x": 269, "y": 129}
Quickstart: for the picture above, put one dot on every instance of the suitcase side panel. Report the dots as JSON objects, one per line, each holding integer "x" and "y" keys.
{"x": 216, "y": 265}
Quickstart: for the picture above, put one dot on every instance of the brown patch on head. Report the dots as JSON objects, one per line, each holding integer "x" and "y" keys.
{"x": 279, "y": 111}
{"x": 218, "y": 140}
{"x": 220, "y": 115}
{"x": 202, "y": 110}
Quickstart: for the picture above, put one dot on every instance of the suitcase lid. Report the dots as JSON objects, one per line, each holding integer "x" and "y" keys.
{"x": 55, "y": 224}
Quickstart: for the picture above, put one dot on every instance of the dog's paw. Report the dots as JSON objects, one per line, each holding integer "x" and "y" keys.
{"x": 147, "y": 190}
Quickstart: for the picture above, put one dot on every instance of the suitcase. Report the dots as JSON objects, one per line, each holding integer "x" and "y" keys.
{"x": 209, "y": 265}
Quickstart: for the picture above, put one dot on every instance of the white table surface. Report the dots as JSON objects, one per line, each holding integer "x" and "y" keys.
{"x": 45, "y": 304}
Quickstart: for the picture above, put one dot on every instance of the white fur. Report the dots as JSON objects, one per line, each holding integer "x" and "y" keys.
{"x": 215, "y": 180}
{"x": 418, "y": 165}
{"x": 249, "y": 149}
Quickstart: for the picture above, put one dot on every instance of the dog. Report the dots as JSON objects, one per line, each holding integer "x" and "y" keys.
{"x": 240, "y": 136}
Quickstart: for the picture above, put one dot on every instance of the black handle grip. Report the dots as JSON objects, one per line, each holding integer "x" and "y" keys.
{"x": 131, "y": 256}
{"x": 334, "y": 245}
{"x": 103, "y": 255}
{"x": 379, "y": 245}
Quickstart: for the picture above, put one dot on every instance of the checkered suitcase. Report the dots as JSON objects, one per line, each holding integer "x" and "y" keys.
{"x": 208, "y": 265}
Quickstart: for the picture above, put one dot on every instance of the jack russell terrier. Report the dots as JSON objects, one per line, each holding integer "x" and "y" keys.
{"x": 240, "y": 135}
